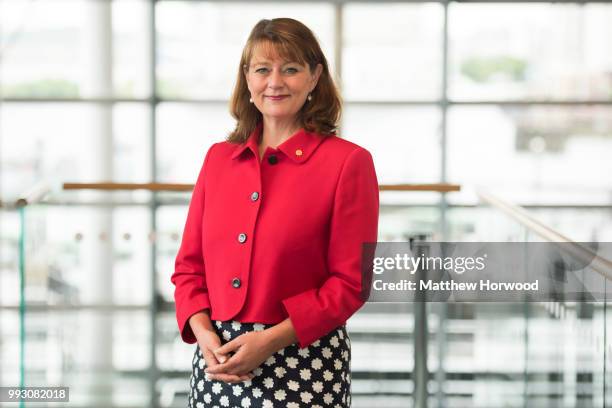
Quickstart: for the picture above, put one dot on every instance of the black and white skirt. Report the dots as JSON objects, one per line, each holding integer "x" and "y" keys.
{"x": 316, "y": 376}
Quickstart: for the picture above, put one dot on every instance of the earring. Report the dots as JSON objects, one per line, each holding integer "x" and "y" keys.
{"x": 251, "y": 100}
{"x": 310, "y": 97}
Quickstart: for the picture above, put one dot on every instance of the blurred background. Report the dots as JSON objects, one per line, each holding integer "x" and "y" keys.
{"x": 512, "y": 99}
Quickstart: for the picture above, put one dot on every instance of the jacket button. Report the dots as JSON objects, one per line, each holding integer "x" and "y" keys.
{"x": 254, "y": 196}
{"x": 242, "y": 238}
{"x": 236, "y": 282}
{"x": 272, "y": 159}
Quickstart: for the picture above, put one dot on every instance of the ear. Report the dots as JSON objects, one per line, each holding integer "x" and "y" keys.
{"x": 247, "y": 81}
{"x": 245, "y": 71}
{"x": 316, "y": 75}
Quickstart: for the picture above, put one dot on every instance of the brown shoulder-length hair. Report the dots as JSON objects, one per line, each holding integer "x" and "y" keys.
{"x": 292, "y": 41}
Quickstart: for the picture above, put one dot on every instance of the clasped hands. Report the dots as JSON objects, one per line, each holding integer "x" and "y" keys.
{"x": 249, "y": 350}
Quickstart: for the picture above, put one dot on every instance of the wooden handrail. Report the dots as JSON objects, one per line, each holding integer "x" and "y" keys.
{"x": 585, "y": 255}
{"x": 110, "y": 186}
{"x": 438, "y": 187}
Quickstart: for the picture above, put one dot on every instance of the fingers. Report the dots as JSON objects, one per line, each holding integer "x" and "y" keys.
{"x": 231, "y": 378}
{"x": 230, "y": 371}
{"x": 223, "y": 369}
{"x": 222, "y": 353}
{"x": 221, "y": 365}
{"x": 229, "y": 346}
{"x": 232, "y": 366}
{"x": 222, "y": 358}
{"x": 210, "y": 358}
{"x": 221, "y": 373}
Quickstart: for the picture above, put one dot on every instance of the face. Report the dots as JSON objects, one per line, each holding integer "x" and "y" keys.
{"x": 278, "y": 87}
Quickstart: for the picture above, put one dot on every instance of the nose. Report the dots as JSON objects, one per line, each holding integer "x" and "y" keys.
{"x": 275, "y": 80}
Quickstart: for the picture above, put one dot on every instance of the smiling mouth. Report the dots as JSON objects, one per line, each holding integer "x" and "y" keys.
{"x": 277, "y": 97}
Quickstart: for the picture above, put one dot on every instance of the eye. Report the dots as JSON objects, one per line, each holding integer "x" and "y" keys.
{"x": 291, "y": 70}
{"x": 261, "y": 70}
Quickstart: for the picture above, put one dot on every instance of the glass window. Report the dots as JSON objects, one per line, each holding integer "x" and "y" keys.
{"x": 131, "y": 48}
{"x": 530, "y": 51}
{"x": 404, "y": 141}
{"x": 200, "y": 43}
{"x": 74, "y": 48}
{"x": 532, "y": 154}
{"x": 131, "y": 142}
{"x": 63, "y": 142}
{"x": 185, "y": 133}
{"x": 392, "y": 51}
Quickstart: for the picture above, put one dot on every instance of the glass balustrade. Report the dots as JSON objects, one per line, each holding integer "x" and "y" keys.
{"x": 96, "y": 312}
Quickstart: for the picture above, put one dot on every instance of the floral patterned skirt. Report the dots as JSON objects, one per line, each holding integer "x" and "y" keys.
{"x": 316, "y": 376}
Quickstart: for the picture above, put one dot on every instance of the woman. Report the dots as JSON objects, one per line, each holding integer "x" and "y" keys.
{"x": 269, "y": 267}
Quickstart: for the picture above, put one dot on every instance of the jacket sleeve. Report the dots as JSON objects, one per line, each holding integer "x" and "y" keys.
{"x": 314, "y": 313}
{"x": 191, "y": 292}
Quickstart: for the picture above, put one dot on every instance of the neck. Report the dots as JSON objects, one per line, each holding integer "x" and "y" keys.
{"x": 276, "y": 131}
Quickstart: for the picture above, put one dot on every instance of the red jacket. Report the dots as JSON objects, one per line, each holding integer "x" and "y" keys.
{"x": 279, "y": 238}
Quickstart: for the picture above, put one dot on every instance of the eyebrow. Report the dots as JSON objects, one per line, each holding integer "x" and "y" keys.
{"x": 266, "y": 62}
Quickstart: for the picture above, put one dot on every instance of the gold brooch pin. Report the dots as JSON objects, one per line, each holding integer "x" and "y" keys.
{"x": 299, "y": 152}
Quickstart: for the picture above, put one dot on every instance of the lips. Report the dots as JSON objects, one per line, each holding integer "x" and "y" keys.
{"x": 277, "y": 97}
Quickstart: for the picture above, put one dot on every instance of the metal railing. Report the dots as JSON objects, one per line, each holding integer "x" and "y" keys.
{"x": 574, "y": 249}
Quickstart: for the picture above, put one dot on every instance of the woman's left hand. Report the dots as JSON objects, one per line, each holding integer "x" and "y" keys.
{"x": 250, "y": 350}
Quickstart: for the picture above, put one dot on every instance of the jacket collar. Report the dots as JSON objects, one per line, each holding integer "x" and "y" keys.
{"x": 299, "y": 147}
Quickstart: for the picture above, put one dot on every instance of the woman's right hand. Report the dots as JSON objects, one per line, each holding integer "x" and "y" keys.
{"x": 208, "y": 340}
